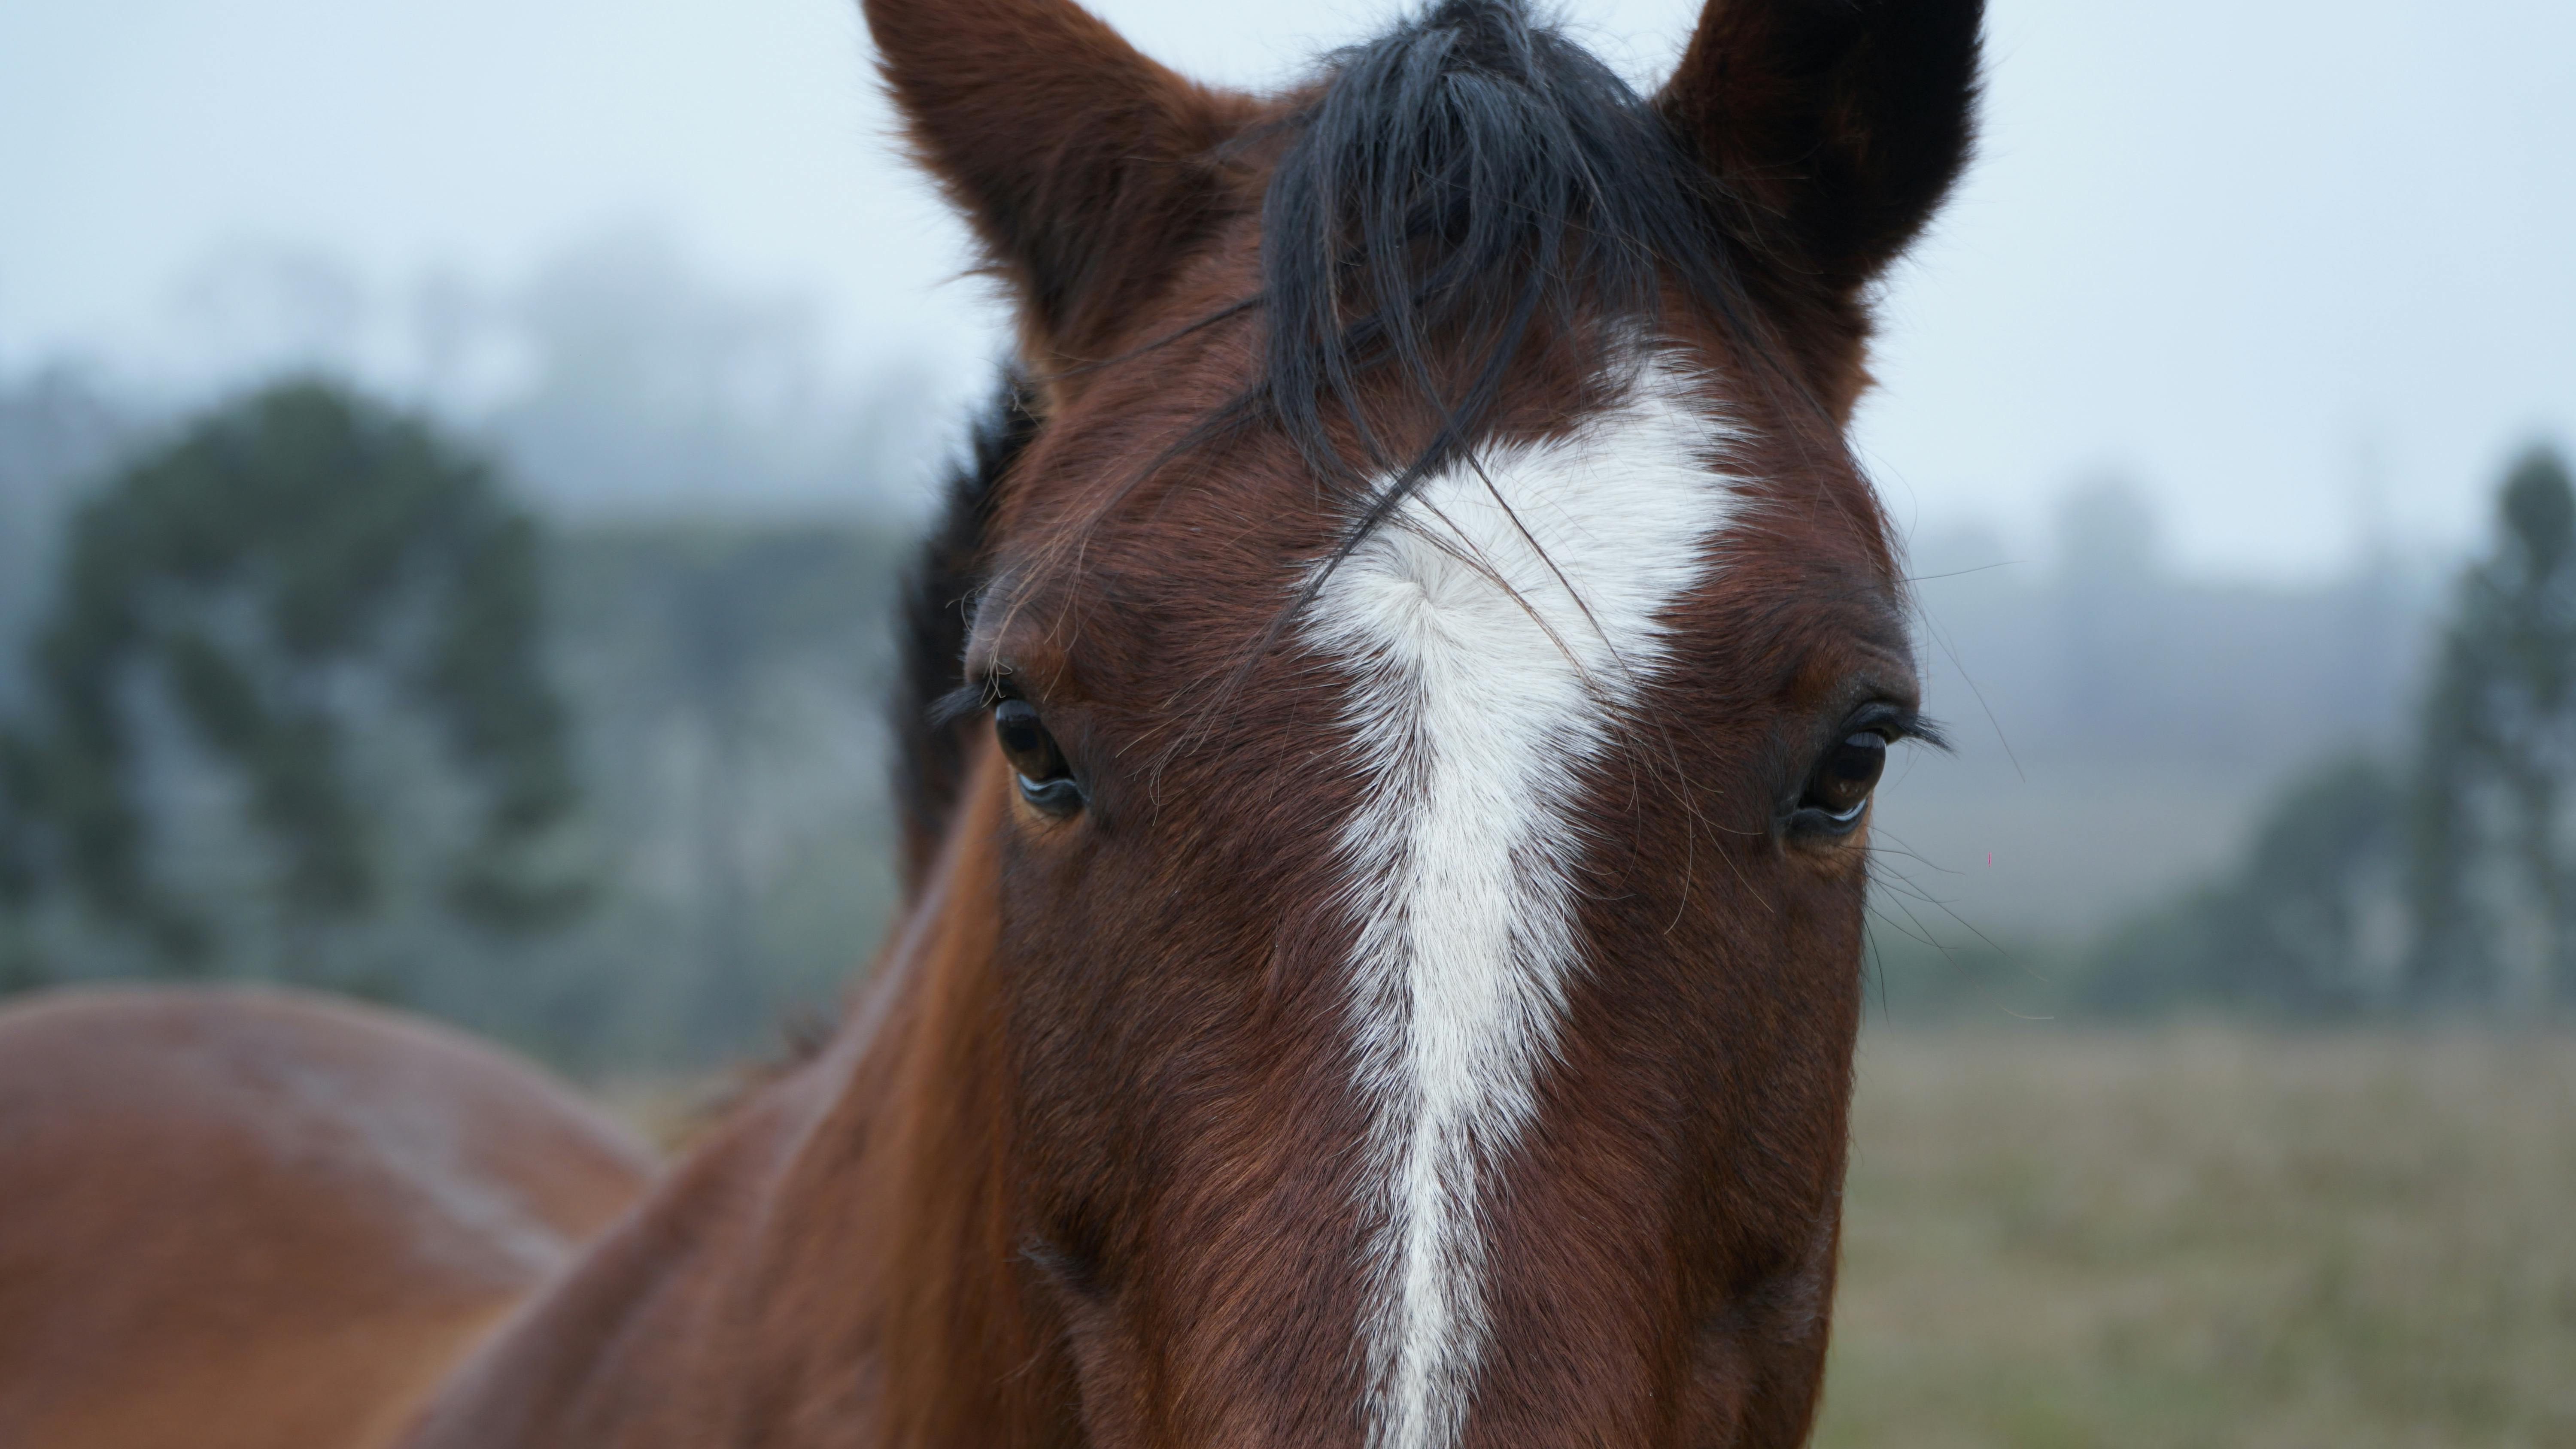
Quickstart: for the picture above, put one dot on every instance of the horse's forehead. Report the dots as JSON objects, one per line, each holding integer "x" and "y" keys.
{"x": 1225, "y": 542}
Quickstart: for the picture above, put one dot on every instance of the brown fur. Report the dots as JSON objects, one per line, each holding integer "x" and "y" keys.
{"x": 255, "y": 1219}
{"x": 1083, "y": 1166}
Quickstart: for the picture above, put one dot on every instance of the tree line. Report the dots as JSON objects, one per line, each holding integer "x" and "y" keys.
{"x": 2439, "y": 878}
{"x": 312, "y": 697}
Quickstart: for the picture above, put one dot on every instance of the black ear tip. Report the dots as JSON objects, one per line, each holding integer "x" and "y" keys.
{"x": 1844, "y": 121}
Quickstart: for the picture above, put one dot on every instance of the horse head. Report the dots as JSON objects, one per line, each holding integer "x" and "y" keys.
{"x": 1400, "y": 700}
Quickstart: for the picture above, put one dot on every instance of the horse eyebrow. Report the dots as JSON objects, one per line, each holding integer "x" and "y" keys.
{"x": 966, "y": 700}
{"x": 984, "y": 688}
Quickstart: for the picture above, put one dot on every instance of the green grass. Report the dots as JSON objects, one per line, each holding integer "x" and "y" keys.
{"x": 2201, "y": 1237}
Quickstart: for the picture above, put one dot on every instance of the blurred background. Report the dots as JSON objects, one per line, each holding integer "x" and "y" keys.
{"x": 455, "y": 460}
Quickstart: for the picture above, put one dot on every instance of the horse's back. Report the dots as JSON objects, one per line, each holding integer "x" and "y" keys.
{"x": 243, "y": 1219}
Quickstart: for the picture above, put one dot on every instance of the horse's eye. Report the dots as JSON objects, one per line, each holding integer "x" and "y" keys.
{"x": 1045, "y": 781}
{"x": 1839, "y": 789}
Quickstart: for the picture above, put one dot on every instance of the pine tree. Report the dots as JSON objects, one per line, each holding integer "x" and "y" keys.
{"x": 2495, "y": 914}
{"x": 247, "y": 573}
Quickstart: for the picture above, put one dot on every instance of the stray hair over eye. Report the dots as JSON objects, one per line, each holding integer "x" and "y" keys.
{"x": 1046, "y": 782}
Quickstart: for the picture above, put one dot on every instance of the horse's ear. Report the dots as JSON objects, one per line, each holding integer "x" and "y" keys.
{"x": 1084, "y": 167}
{"x": 1838, "y": 125}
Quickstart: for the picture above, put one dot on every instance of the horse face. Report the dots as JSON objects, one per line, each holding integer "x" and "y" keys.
{"x": 1430, "y": 899}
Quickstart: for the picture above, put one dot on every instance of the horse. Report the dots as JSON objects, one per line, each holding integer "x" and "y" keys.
{"x": 1389, "y": 722}
{"x": 248, "y": 1218}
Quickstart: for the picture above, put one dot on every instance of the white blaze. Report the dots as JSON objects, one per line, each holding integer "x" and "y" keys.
{"x": 1494, "y": 629}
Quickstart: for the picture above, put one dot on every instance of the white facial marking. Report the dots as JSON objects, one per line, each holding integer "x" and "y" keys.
{"x": 1495, "y": 628}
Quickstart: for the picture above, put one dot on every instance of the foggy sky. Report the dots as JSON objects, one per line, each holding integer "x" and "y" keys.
{"x": 2303, "y": 269}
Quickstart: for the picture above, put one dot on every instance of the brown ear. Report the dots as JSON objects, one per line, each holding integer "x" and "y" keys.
{"x": 1838, "y": 124}
{"x": 1083, "y": 166}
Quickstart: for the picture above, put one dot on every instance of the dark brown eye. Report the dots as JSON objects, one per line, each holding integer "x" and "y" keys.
{"x": 1045, "y": 781}
{"x": 1839, "y": 789}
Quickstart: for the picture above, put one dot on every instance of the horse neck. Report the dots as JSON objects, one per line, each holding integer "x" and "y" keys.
{"x": 890, "y": 1259}
{"x": 832, "y": 1266}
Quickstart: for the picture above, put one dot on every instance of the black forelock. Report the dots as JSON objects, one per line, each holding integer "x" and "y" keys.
{"x": 1455, "y": 184}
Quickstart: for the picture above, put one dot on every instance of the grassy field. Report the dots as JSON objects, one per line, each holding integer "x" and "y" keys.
{"x": 2205, "y": 1238}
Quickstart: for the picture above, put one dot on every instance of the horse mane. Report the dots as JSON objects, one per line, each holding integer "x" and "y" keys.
{"x": 938, "y": 609}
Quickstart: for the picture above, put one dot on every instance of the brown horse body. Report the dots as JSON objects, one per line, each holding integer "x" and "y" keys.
{"x": 1393, "y": 716}
{"x": 247, "y": 1219}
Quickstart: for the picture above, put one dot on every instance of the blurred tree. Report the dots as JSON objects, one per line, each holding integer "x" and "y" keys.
{"x": 20, "y": 964}
{"x": 2308, "y": 925}
{"x": 246, "y": 582}
{"x": 2108, "y": 535}
{"x": 748, "y": 665}
{"x": 2107, "y": 615}
{"x": 2490, "y": 889}
{"x": 2449, "y": 883}
{"x": 58, "y": 431}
